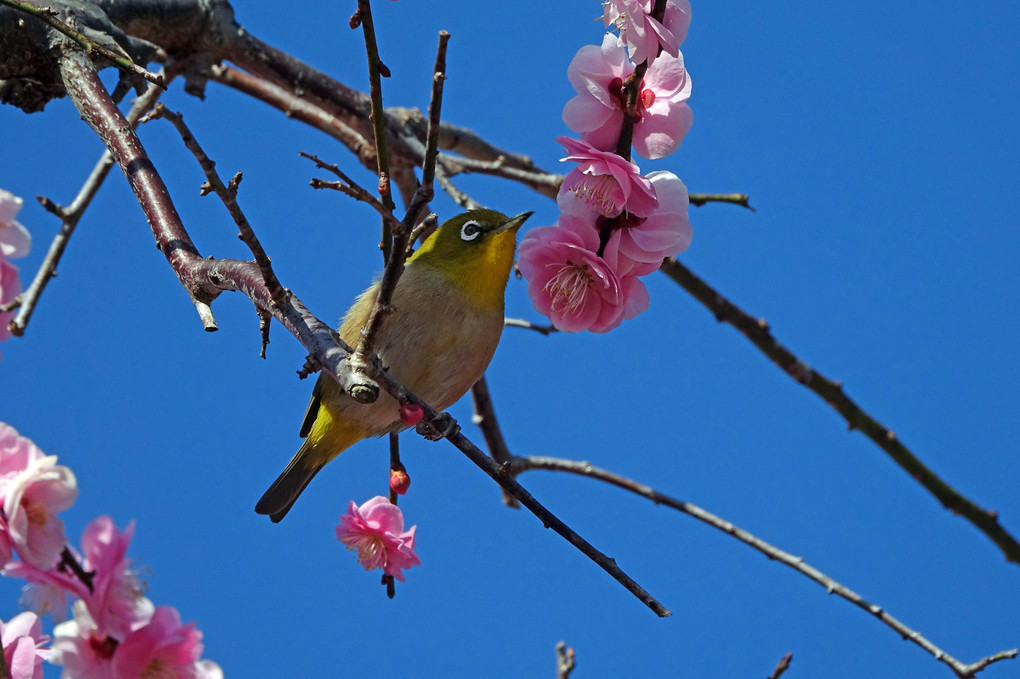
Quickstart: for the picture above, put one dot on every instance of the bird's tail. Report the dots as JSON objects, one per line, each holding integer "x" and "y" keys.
{"x": 284, "y": 492}
{"x": 327, "y": 438}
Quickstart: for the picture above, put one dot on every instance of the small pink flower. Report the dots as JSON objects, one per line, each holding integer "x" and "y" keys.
{"x": 32, "y": 496}
{"x": 80, "y": 649}
{"x": 604, "y": 182}
{"x": 571, "y": 284}
{"x": 115, "y": 602}
{"x": 643, "y": 34}
{"x": 22, "y": 639}
{"x": 15, "y": 241}
{"x": 596, "y": 113}
{"x": 162, "y": 648}
{"x": 10, "y": 287}
{"x": 663, "y": 233}
{"x": 376, "y": 531}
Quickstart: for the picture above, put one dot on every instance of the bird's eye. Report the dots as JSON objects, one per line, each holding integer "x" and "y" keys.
{"x": 470, "y": 230}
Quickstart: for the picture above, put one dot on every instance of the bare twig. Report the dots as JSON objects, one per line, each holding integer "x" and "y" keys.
{"x": 781, "y": 666}
{"x": 741, "y": 199}
{"x": 203, "y": 279}
{"x": 351, "y": 188}
{"x": 546, "y": 330}
{"x": 485, "y": 419}
{"x": 565, "y": 661}
{"x": 299, "y": 108}
{"x": 228, "y": 195}
{"x": 363, "y": 354}
{"x": 502, "y": 475}
{"x": 71, "y": 215}
{"x": 522, "y": 464}
{"x": 375, "y": 66}
{"x": 757, "y": 330}
{"x": 52, "y": 19}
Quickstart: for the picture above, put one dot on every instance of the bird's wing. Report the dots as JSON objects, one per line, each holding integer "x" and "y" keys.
{"x": 313, "y": 405}
{"x": 350, "y": 332}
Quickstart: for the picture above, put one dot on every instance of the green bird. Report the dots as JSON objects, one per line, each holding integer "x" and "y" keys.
{"x": 446, "y": 323}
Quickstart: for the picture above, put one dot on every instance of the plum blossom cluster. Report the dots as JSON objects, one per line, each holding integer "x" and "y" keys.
{"x": 616, "y": 224}
{"x": 15, "y": 242}
{"x": 115, "y": 631}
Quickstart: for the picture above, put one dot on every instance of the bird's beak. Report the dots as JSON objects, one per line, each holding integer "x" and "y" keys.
{"x": 514, "y": 222}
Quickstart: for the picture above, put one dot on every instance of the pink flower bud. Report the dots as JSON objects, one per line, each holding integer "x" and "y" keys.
{"x": 399, "y": 481}
{"x": 411, "y": 414}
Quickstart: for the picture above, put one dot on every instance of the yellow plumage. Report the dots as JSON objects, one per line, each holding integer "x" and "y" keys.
{"x": 447, "y": 322}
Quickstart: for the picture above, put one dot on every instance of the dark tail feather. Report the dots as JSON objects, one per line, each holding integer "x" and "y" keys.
{"x": 280, "y": 497}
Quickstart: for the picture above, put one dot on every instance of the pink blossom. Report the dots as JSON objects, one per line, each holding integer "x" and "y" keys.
{"x": 603, "y": 182}
{"x": 115, "y": 602}
{"x": 15, "y": 241}
{"x": 596, "y": 113}
{"x": 663, "y": 233}
{"x": 22, "y": 639}
{"x": 33, "y": 488}
{"x": 376, "y": 531}
{"x": 81, "y": 649}
{"x": 571, "y": 284}
{"x": 642, "y": 34}
{"x": 162, "y": 648}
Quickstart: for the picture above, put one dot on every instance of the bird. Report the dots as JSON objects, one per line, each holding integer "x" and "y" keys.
{"x": 446, "y": 321}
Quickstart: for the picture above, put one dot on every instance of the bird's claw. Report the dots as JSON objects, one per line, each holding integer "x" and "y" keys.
{"x": 439, "y": 428}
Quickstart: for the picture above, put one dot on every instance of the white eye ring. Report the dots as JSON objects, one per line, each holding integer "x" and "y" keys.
{"x": 470, "y": 230}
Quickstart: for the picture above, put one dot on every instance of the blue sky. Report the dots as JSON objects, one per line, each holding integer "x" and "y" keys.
{"x": 879, "y": 145}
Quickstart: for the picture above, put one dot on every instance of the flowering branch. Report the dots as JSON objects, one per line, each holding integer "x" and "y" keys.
{"x": 831, "y": 391}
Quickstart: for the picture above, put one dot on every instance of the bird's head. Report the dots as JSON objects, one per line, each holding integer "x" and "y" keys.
{"x": 475, "y": 251}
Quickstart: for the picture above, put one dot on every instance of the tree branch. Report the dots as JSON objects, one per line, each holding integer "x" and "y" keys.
{"x": 523, "y": 464}
{"x": 757, "y": 330}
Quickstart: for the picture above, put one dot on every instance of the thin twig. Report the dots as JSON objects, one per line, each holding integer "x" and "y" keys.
{"x": 565, "y": 661}
{"x": 52, "y": 19}
{"x": 781, "y": 666}
{"x": 528, "y": 325}
{"x": 203, "y": 279}
{"x": 364, "y": 353}
{"x": 522, "y": 464}
{"x": 68, "y": 562}
{"x": 502, "y": 475}
{"x": 741, "y": 199}
{"x": 378, "y": 119}
{"x": 71, "y": 215}
{"x": 757, "y": 330}
{"x": 485, "y": 419}
{"x": 299, "y": 108}
{"x": 228, "y": 196}
{"x": 351, "y": 188}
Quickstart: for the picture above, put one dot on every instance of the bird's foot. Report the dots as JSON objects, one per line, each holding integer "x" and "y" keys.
{"x": 439, "y": 428}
